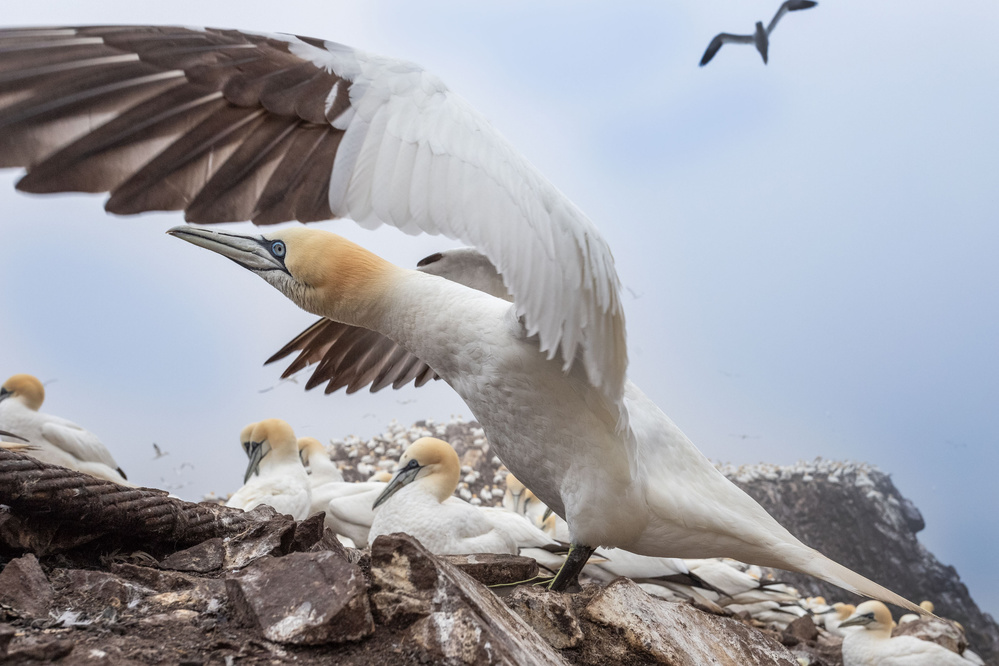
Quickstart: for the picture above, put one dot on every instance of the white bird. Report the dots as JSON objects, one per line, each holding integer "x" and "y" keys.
{"x": 760, "y": 38}
{"x": 232, "y": 126}
{"x": 874, "y": 646}
{"x": 321, "y": 469}
{"x": 275, "y": 475}
{"x": 4, "y": 433}
{"x": 349, "y": 512}
{"x": 54, "y": 440}
{"x": 926, "y": 605}
{"x": 835, "y": 616}
{"x": 420, "y": 501}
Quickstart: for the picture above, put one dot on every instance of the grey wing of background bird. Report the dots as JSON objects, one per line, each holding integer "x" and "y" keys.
{"x": 354, "y": 357}
{"x": 723, "y": 38}
{"x": 789, "y": 6}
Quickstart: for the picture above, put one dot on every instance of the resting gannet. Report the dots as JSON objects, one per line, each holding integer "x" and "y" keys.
{"x": 349, "y": 512}
{"x": 231, "y": 126}
{"x": 4, "y": 433}
{"x": 835, "y": 616}
{"x": 317, "y": 460}
{"x": 874, "y": 646}
{"x": 419, "y": 500}
{"x": 761, "y": 38}
{"x": 926, "y": 605}
{"x": 54, "y": 440}
{"x": 275, "y": 475}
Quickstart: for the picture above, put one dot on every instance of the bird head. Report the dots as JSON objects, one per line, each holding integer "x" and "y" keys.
{"x": 25, "y": 388}
{"x": 426, "y": 458}
{"x": 871, "y": 615}
{"x": 321, "y": 272}
{"x": 269, "y": 435}
{"x": 245, "y": 436}
{"x": 310, "y": 448}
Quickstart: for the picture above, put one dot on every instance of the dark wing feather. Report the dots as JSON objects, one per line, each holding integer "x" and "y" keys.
{"x": 221, "y": 124}
{"x": 720, "y": 39}
{"x": 789, "y": 6}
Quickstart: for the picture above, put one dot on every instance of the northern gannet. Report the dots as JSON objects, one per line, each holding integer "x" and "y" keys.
{"x": 4, "y": 433}
{"x": 349, "y": 512}
{"x": 874, "y": 646}
{"x": 761, "y": 37}
{"x": 835, "y": 616}
{"x": 925, "y": 604}
{"x": 232, "y": 126}
{"x": 420, "y": 501}
{"x": 275, "y": 475}
{"x": 317, "y": 460}
{"x": 54, "y": 440}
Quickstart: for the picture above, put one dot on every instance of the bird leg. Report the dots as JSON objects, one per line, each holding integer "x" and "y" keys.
{"x": 568, "y": 573}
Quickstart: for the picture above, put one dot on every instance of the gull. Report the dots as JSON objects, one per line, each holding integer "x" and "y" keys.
{"x": 875, "y": 646}
{"x": 761, "y": 37}
{"x": 230, "y": 126}
{"x": 420, "y": 501}
{"x": 275, "y": 475}
{"x": 54, "y": 440}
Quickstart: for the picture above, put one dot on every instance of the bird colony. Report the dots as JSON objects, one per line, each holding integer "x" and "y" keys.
{"x": 527, "y": 326}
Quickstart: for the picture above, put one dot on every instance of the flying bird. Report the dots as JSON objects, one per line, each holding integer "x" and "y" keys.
{"x": 231, "y": 126}
{"x": 760, "y": 38}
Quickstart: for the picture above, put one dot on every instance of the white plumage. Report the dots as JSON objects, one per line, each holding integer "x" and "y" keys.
{"x": 53, "y": 439}
{"x": 873, "y": 645}
{"x": 275, "y": 475}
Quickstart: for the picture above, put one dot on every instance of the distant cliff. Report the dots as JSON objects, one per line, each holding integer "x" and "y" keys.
{"x": 854, "y": 514}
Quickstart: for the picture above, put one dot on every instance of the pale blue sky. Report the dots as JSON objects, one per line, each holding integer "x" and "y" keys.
{"x": 810, "y": 247}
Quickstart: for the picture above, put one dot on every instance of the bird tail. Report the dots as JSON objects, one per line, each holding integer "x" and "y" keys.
{"x": 822, "y": 567}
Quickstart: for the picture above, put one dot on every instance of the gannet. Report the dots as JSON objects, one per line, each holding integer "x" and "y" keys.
{"x": 4, "y": 433}
{"x": 275, "y": 475}
{"x": 874, "y": 646}
{"x": 925, "y": 604}
{"x": 835, "y": 616}
{"x": 54, "y": 440}
{"x": 232, "y": 126}
{"x": 419, "y": 500}
{"x": 349, "y": 512}
{"x": 761, "y": 37}
{"x": 317, "y": 460}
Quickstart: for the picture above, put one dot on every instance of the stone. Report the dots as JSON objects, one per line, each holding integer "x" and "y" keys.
{"x": 676, "y": 634}
{"x": 302, "y": 599}
{"x": 453, "y": 618}
{"x": 44, "y": 651}
{"x": 98, "y": 588}
{"x": 308, "y": 533}
{"x": 938, "y": 630}
{"x": 206, "y": 557}
{"x": 24, "y": 586}
{"x": 801, "y": 630}
{"x": 495, "y": 569}
{"x": 273, "y": 534}
{"x": 6, "y": 635}
{"x": 550, "y": 615}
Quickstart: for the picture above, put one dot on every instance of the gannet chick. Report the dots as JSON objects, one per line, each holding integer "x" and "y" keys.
{"x": 619, "y": 472}
{"x": 874, "y": 646}
{"x": 760, "y": 38}
{"x": 275, "y": 475}
{"x": 55, "y": 440}
{"x": 419, "y": 501}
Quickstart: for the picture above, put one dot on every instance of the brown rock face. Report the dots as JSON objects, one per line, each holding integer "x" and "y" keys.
{"x": 24, "y": 587}
{"x": 449, "y": 615}
{"x": 675, "y": 634}
{"x": 203, "y": 558}
{"x": 303, "y": 599}
{"x": 548, "y": 614}
{"x": 493, "y": 569}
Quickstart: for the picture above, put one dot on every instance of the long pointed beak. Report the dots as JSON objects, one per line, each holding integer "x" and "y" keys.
{"x": 4, "y": 433}
{"x": 858, "y": 621}
{"x": 250, "y": 252}
{"x": 256, "y": 454}
{"x": 4, "y": 394}
{"x": 404, "y": 476}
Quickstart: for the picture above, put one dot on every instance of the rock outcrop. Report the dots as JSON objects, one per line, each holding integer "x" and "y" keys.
{"x": 854, "y": 514}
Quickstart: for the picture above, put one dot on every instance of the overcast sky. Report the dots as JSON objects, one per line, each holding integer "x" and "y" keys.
{"x": 810, "y": 248}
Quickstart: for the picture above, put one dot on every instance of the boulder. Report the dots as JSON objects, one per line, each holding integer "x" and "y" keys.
{"x": 206, "y": 557}
{"x": 550, "y": 615}
{"x": 676, "y": 634}
{"x": 448, "y": 614}
{"x": 495, "y": 569}
{"x": 302, "y": 599}
{"x": 935, "y": 629}
{"x": 24, "y": 587}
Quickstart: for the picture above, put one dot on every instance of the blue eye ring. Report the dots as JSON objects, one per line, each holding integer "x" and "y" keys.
{"x": 278, "y": 249}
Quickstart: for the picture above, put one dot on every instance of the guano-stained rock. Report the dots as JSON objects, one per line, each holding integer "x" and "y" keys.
{"x": 452, "y": 617}
{"x": 207, "y": 556}
{"x": 273, "y": 535}
{"x": 548, "y": 614}
{"x": 938, "y": 630}
{"x": 303, "y": 599}
{"x": 677, "y": 635}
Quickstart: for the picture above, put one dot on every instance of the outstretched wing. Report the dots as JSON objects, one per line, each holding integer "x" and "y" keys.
{"x": 789, "y": 6}
{"x": 720, "y": 39}
{"x": 227, "y": 125}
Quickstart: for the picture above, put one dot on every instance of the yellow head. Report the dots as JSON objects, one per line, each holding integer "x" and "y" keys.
{"x": 431, "y": 461}
{"x": 270, "y": 437}
{"x": 25, "y": 388}
{"x": 310, "y": 447}
{"x": 872, "y": 616}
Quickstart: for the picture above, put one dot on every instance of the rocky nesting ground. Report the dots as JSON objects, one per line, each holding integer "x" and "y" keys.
{"x": 193, "y": 584}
